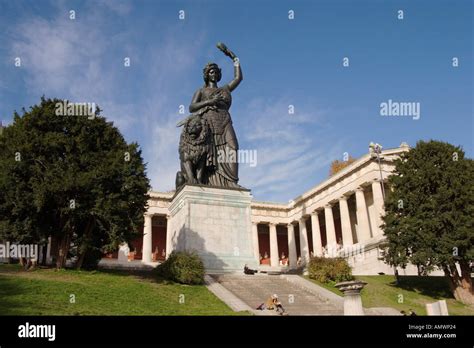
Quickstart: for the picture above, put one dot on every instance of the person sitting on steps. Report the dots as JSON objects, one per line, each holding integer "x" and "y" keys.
{"x": 273, "y": 303}
{"x": 277, "y": 304}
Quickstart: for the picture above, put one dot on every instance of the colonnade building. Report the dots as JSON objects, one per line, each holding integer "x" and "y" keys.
{"x": 341, "y": 216}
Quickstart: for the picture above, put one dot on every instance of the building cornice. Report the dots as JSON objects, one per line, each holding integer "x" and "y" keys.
{"x": 386, "y": 157}
{"x": 347, "y": 171}
{"x": 161, "y": 195}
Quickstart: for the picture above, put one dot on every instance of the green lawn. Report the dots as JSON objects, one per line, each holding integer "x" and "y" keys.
{"x": 47, "y": 292}
{"x": 415, "y": 292}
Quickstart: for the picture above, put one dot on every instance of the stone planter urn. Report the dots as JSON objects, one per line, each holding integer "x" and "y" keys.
{"x": 352, "y": 299}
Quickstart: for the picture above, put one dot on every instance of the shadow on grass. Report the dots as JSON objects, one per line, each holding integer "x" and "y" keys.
{"x": 143, "y": 275}
{"x": 10, "y": 288}
{"x": 150, "y": 275}
{"x": 435, "y": 287}
{"x": 17, "y": 292}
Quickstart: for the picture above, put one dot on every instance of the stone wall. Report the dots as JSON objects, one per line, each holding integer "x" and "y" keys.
{"x": 368, "y": 262}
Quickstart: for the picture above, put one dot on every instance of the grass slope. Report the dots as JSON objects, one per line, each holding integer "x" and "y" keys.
{"x": 413, "y": 292}
{"x": 48, "y": 292}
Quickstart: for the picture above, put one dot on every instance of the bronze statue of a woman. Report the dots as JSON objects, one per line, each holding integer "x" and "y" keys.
{"x": 211, "y": 104}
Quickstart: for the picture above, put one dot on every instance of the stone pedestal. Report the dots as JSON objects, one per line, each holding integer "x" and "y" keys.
{"x": 352, "y": 300}
{"x": 437, "y": 308}
{"x": 216, "y": 224}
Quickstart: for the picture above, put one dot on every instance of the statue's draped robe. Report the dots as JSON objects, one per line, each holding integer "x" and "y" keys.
{"x": 222, "y": 166}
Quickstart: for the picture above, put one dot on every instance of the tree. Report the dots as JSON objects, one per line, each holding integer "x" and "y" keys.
{"x": 70, "y": 177}
{"x": 337, "y": 166}
{"x": 429, "y": 214}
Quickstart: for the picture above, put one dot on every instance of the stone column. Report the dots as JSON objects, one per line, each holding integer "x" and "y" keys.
{"x": 352, "y": 300}
{"x": 378, "y": 205}
{"x": 274, "y": 259}
{"x": 437, "y": 308}
{"x": 256, "y": 249}
{"x": 363, "y": 227}
{"x": 166, "y": 237}
{"x": 304, "y": 246}
{"x": 147, "y": 239}
{"x": 316, "y": 233}
{"x": 292, "y": 246}
{"x": 345, "y": 221}
{"x": 169, "y": 233}
{"x": 330, "y": 230}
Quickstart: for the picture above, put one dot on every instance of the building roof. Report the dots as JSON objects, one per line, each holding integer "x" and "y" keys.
{"x": 386, "y": 156}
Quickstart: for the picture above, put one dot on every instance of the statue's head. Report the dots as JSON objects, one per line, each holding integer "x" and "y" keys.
{"x": 212, "y": 72}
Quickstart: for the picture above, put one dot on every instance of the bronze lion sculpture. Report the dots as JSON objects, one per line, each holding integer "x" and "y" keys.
{"x": 194, "y": 147}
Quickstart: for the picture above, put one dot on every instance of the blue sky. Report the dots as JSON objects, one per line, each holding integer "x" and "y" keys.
{"x": 297, "y": 62}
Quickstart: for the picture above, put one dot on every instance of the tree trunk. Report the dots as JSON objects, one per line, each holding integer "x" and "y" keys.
{"x": 30, "y": 264}
{"x": 461, "y": 285}
{"x": 60, "y": 262}
{"x": 44, "y": 255}
{"x": 59, "y": 253}
{"x": 63, "y": 250}
{"x": 84, "y": 244}
{"x": 397, "y": 276}
{"x": 27, "y": 263}
{"x": 80, "y": 259}
{"x": 23, "y": 263}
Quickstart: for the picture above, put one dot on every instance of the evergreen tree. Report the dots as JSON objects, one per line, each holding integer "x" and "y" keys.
{"x": 70, "y": 177}
{"x": 429, "y": 214}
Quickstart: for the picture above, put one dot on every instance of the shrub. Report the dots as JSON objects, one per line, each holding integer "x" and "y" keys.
{"x": 182, "y": 267}
{"x": 92, "y": 259}
{"x": 328, "y": 270}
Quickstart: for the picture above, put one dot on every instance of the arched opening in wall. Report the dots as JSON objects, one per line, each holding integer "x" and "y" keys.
{"x": 282, "y": 241}
{"x": 309, "y": 232}
{"x": 159, "y": 229}
{"x": 264, "y": 243}
{"x": 297, "y": 240}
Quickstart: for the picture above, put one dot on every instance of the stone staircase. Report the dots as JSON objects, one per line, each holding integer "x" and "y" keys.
{"x": 297, "y": 295}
